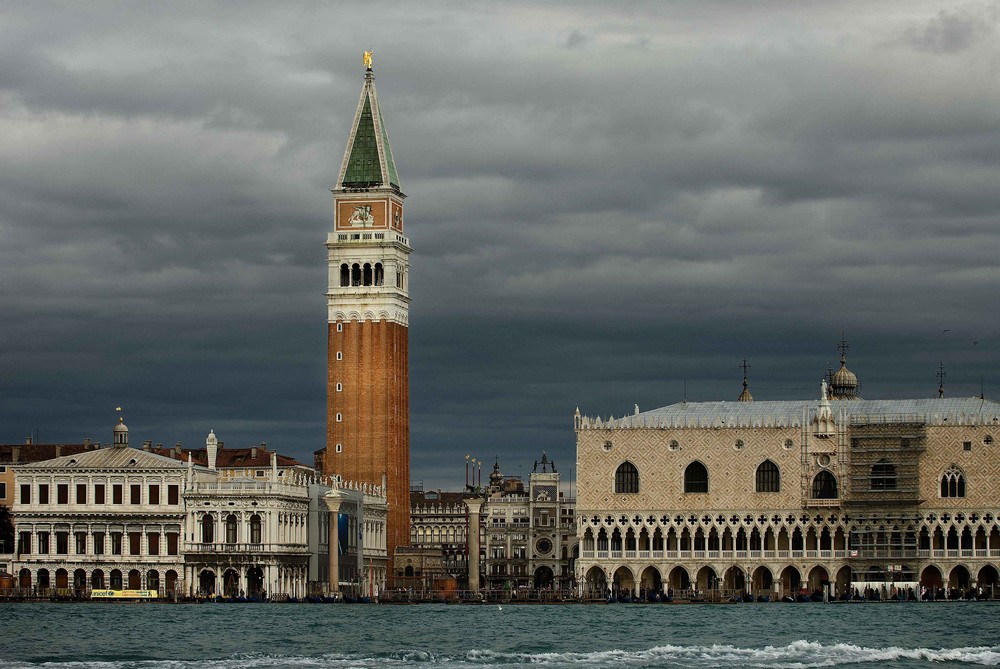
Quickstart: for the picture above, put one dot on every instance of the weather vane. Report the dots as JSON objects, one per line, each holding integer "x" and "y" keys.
{"x": 368, "y": 59}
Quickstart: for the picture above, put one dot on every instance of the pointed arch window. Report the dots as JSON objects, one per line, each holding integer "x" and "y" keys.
{"x": 883, "y": 475}
{"x": 768, "y": 477}
{"x": 627, "y": 479}
{"x": 824, "y": 486}
{"x": 696, "y": 478}
{"x": 953, "y": 482}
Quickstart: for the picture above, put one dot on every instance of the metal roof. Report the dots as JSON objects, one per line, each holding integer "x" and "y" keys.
{"x": 951, "y": 410}
{"x": 111, "y": 458}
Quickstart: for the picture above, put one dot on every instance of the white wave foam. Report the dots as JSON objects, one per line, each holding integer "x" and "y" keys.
{"x": 796, "y": 655}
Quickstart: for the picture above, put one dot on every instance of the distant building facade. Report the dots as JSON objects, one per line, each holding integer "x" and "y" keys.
{"x": 439, "y": 526}
{"x": 780, "y": 498}
{"x": 529, "y": 534}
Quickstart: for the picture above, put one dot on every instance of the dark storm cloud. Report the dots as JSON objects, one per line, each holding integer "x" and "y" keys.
{"x": 608, "y": 205}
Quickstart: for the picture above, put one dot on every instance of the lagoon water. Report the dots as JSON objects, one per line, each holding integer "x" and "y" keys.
{"x": 157, "y": 636}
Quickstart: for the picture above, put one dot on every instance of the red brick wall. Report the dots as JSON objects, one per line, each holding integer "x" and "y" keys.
{"x": 375, "y": 407}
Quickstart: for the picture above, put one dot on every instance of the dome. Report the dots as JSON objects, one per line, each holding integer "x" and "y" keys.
{"x": 843, "y": 382}
{"x": 844, "y": 377}
{"x": 496, "y": 477}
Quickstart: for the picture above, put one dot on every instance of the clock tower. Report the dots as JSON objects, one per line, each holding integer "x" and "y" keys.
{"x": 368, "y": 399}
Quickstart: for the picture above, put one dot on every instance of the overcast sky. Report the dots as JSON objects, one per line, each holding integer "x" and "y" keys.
{"x": 609, "y": 204}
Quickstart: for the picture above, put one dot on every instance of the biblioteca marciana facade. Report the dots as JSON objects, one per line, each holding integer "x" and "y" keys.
{"x": 119, "y": 518}
{"x": 780, "y": 498}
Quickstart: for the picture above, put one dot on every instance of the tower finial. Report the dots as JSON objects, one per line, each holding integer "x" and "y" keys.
{"x": 745, "y": 396}
{"x": 367, "y": 57}
{"x": 941, "y": 374}
{"x": 843, "y": 347}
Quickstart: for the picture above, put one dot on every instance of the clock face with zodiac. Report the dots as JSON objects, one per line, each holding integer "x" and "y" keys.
{"x": 543, "y": 546}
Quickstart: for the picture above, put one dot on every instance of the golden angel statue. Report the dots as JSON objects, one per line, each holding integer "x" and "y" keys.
{"x": 368, "y": 59}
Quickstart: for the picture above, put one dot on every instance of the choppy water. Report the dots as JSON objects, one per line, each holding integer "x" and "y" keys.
{"x": 150, "y": 636}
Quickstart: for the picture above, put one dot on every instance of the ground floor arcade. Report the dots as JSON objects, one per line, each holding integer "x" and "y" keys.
{"x": 257, "y": 579}
{"x": 79, "y": 580}
{"x": 721, "y": 580}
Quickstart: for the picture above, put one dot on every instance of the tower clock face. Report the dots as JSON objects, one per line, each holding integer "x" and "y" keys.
{"x": 543, "y": 546}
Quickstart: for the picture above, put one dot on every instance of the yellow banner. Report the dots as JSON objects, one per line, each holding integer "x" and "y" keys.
{"x": 123, "y": 594}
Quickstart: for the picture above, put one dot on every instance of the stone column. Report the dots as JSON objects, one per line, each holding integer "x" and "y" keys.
{"x": 333, "y": 500}
{"x": 475, "y": 505}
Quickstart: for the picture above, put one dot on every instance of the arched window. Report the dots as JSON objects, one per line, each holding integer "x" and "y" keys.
{"x": 355, "y": 274}
{"x": 116, "y": 580}
{"x": 207, "y": 529}
{"x": 883, "y": 476}
{"x": 768, "y": 477}
{"x": 231, "y": 528}
{"x": 696, "y": 478}
{"x": 627, "y": 479}
{"x": 368, "y": 274}
{"x": 255, "y": 529}
{"x": 824, "y": 486}
{"x": 379, "y": 274}
{"x": 345, "y": 275}
{"x": 953, "y": 482}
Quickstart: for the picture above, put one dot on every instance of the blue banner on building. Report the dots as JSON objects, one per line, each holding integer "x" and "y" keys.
{"x": 342, "y": 536}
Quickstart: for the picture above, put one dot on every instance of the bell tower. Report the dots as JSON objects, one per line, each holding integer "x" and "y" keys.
{"x": 368, "y": 398}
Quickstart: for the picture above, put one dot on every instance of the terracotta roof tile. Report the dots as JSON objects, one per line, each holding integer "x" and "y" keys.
{"x": 38, "y": 452}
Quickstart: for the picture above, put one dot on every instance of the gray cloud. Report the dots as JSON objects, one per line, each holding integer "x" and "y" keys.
{"x": 608, "y": 206}
{"x": 956, "y": 30}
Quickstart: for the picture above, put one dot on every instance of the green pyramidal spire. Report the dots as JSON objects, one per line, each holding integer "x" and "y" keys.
{"x": 368, "y": 159}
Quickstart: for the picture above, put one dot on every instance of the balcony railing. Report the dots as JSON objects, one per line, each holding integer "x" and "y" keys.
{"x": 249, "y": 549}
